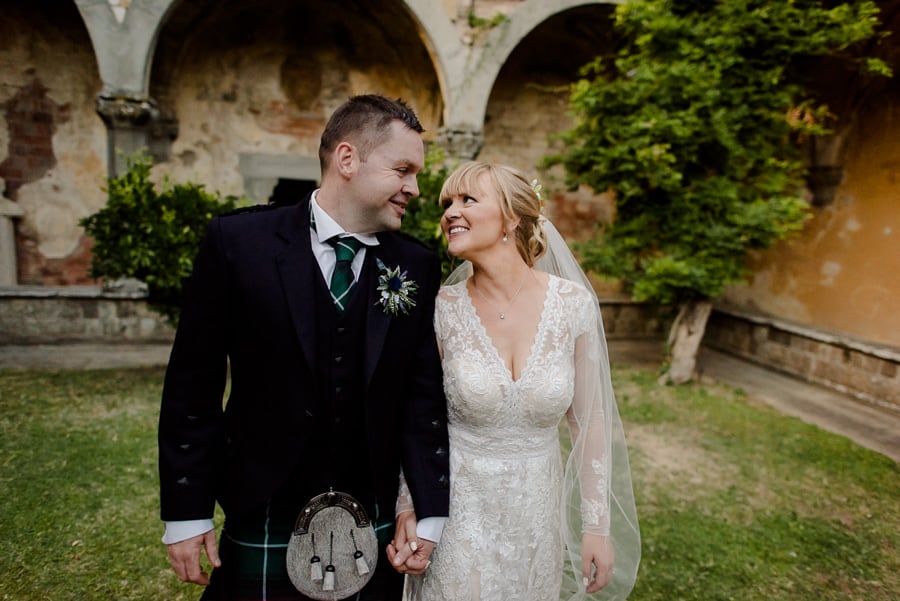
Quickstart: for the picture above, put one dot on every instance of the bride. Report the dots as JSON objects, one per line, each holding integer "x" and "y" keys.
{"x": 522, "y": 347}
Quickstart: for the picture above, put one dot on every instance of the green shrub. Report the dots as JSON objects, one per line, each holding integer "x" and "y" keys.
{"x": 151, "y": 235}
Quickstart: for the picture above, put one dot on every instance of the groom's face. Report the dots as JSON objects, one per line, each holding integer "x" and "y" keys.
{"x": 386, "y": 180}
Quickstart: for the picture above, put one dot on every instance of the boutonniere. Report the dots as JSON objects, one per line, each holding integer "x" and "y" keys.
{"x": 396, "y": 291}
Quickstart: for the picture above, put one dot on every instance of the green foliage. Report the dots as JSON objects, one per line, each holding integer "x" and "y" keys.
{"x": 694, "y": 126}
{"x": 151, "y": 235}
{"x": 476, "y": 22}
{"x": 423, "y": 214}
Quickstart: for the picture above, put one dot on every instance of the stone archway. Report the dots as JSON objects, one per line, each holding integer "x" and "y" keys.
{"x": 260, "y": 78}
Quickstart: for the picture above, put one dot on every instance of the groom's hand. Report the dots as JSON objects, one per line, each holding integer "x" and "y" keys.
{"x": 408, "y": 553}
{"x": 185, "y": 557}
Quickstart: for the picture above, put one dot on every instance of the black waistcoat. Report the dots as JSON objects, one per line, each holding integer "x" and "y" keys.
{"x": 336, "y": 453}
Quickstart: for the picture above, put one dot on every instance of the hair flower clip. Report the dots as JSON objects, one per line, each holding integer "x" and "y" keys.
{"x": 396, "y": 291}
{"x": 538, "y": 188}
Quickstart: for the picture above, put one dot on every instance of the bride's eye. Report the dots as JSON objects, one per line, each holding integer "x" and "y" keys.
{"x": 446, "y": 202}
{"x": 468, "y": 199}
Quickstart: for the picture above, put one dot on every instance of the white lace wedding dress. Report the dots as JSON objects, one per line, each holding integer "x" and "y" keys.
{"x": 503, "y": 539}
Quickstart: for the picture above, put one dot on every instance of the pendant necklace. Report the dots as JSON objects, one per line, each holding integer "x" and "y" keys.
{"x": 502, "y": 314}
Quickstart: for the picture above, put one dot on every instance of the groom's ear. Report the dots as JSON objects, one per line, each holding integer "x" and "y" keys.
{"x": 346, "y": 159}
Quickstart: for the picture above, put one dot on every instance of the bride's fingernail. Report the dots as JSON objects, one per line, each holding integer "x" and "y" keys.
{"x": 414, "y": 546}
{"x": 586, "y": 581}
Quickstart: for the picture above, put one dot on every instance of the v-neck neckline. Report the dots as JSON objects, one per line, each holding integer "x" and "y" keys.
{"x": 486, "y": 338}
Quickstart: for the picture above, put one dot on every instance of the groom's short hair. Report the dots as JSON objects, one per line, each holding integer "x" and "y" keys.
{"x": 364, "y": 121}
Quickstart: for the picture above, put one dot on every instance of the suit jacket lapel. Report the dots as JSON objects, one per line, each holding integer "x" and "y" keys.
{"x": 377, "y": 321}
{"x": 298, "y": 269}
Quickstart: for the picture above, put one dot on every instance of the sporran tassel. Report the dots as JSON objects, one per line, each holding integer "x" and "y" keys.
{"x": 315, "y": 563}
{"x": 362, "y": 567}
{"x": 328, "y": 583}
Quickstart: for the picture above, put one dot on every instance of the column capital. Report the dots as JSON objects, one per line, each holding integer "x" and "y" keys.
{"x": 460, "y": 142}
{"x": 126, "y": 113}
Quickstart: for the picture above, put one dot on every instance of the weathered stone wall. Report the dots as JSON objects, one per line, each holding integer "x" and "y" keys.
{"x": 54, "y": 315}
{"x": 241, "y": 80}
{"x": 52, "y": 144}
{"x": 866, "y": 371}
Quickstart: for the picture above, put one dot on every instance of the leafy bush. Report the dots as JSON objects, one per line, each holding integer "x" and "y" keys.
{"x": 151, "y": 235}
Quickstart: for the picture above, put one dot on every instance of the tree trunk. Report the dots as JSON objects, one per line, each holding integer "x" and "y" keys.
{"x": 684, "y": 340}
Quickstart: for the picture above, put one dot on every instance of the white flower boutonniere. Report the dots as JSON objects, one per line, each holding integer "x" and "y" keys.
{"x": 396, "y": 291}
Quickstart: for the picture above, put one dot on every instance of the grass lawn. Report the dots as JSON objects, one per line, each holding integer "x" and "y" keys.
{"x": 735, "y": 500}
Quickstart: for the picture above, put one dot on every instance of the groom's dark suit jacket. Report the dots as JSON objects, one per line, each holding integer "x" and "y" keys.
{"x": 254, "y": 304}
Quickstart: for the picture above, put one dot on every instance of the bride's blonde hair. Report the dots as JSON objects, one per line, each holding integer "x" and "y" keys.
{"x": 517, "y": 200}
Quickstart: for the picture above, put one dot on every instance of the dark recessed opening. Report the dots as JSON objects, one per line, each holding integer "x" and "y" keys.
{"x": 291, "y": 191}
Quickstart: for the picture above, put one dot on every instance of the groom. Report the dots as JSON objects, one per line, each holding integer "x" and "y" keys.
{"x": 334, "y": 385}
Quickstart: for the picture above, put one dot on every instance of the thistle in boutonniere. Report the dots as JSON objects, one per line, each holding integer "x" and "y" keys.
{"x": 396, "y": 291}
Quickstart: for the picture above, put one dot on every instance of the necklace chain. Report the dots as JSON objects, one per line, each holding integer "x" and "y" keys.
{"x": 502, "y": 314}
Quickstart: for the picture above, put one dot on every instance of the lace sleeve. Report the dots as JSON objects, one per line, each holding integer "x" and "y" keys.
{"x": 404, "y": 497}
{"x": 589, "y": 426}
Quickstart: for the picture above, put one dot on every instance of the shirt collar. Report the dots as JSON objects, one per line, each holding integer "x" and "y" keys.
{"x": 327, "y": 228}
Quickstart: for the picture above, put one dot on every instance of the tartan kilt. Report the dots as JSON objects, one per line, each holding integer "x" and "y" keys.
{"x": 253, "y": 551}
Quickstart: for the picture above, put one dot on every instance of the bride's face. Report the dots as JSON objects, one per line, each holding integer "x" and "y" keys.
{"x": 472, "y": 220}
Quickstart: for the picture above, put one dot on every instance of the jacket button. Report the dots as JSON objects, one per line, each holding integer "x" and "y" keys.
{"x": 338, "y": 359}
{"x": 183, "y": 481}
{"x": 443, "y": 480}
{"x": 436, "y": 424}
{"x": 184, "y": 447}
{"x": 440, "y": 452}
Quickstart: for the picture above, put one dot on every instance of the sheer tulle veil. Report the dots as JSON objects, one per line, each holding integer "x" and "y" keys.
{"x": 599, "y": 417}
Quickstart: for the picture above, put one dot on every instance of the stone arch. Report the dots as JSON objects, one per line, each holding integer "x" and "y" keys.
{"x": 500, "y": 43}
{"x": 444, "y": 45}
{"x": 252, "y": 82}
{"x": 124, "y": 38}
{"x": 529, "y": 102}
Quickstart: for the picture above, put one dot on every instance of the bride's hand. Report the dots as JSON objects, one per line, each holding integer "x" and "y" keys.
{"x": 399, "y": 549}
{"x": 597, "y": 560}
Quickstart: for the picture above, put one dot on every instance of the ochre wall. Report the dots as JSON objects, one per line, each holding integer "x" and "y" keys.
{"x": 842, "y": 273}
{"x": 52, "y": 143}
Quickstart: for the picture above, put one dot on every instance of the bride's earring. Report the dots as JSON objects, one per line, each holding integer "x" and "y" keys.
{"x": 505, "y": 237}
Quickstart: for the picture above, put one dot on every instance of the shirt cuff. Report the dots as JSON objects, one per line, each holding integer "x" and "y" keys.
{"x": 183, "y": 530}
{"x": 430, "y": 528}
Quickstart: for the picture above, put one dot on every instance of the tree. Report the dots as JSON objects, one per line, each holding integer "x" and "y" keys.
{"x": 151, "y": 235}
{"x": 695, "y": 127}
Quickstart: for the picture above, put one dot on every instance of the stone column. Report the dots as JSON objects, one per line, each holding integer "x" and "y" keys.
{"x": 460, "y": 142}
{"x": 129, "y": 124}
{"x": 8, "y": 266}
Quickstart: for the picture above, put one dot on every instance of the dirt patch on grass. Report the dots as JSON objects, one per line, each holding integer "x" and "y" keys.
{"x": 665, "y": 460}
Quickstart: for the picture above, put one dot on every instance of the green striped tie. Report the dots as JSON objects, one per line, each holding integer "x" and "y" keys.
{"x": 342, "y": 278}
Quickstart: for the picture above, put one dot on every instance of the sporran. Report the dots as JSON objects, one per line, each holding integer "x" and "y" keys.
{"x": 333, "y": 550}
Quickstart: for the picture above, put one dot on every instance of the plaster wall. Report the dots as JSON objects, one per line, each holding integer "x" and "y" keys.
{"x": 245, "y": 83}
{"x": 842, "y": 273}
{"x": 52, "y": 144}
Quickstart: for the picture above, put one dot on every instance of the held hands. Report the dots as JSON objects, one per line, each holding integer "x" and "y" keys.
{"x": 408, "y": 553}
{"x": 185, "y": 557}
{"x": 597, "y": 560}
